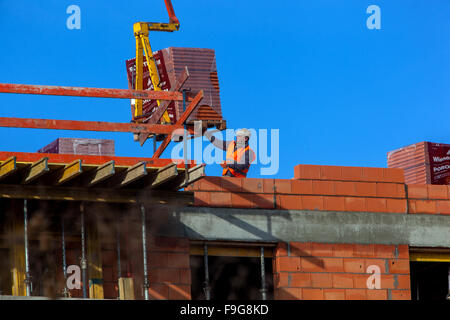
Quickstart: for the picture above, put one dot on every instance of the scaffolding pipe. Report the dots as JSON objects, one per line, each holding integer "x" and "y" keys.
{"x": 83, "y": 252}
{"x": 64, "y": 264}
{"x": 144, "y": 253}
{"x": 206, "y": 286}
{"x": 27, "y": 264}
{"x": 263, "y": 277}
{"x": 119, "y": 267}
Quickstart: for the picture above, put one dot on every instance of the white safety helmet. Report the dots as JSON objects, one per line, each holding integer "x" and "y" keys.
{"x": 244, "y": 132}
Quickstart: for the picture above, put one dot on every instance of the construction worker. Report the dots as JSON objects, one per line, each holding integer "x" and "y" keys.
{"x": 239, "y": 155}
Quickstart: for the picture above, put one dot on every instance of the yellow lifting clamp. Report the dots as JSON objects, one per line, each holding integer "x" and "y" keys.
{"x": 141, "y": 33}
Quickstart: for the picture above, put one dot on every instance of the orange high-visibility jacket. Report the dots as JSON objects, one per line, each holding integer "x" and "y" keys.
{"x": 235, "y": 156}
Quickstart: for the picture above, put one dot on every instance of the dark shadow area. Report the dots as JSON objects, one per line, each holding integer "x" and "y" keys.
{"x": 231, "y": 278}
{"x": 429, "y": 280}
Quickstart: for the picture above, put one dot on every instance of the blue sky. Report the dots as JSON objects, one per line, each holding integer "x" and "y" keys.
{"x": 339, "y": 93}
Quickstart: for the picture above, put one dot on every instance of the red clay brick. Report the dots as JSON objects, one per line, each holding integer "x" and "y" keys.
{"x": 352, "y": 173}
{"x": 396, "y": 205}
{"x": 289, "y": 202}
{"x": 373, "y": 174}
{"x": 323, "y": 187}
{"x": 159, "y": 291}
{"x": 333, "y": 264}
{"x": 403, "y": 282}
{"x": 268, "y": 185}
{"x": 301, "y": 186}
{"x": 384, "y": 251}
{"x": 178, "y": 260}
{"x": 403, "y": 251}
{"x": 344, "y": 188}
{"x": 322, "y": 249}
{"x": 231, "y": 184}
{"x": 355, "y": 294}
{"x": 201, "y": 198}
{"x": 281, "y": 279}
{"x": 241, "y": 200}
{"x": 365, "y": 189}
{"x": 301, "y": 249}
{"x": 264, "y": 201}
{"x": 364, "y": 250}
{"x": 321, "y": 280}
{"x": 355, "y": 204}
{"x": 281, "y": 250}
{"x": 220, "y": 199}
{"x": 360, "y": 281}
{"x": 376, "y": 294}
{"x": 426, "y": 206}
{"x": 354, "y": 265}
{"x": 330, "y": 173}
{"x": 297, "y": 172}
{"x": 300, "y": 280}
{"x": 283, "y": 186}
{"x": 342, "y": 280}
{"x": 400, "y": 294}
{"x": 417, "y": 191}
{"x": 164, "y": 275}
{"x": 393, "y": 175}
{"x": 312, "y": 264}
{"x": 412, "y": 206}
{"x": 287, "y": 264}
{"x": 399, "y": 266}
{"x": 210, "y": 184}
{"x": 381, "y": 263}
{"x": 334, "y": 203}
{"x": 308, "y": 172}
{"x": 443, "y": 207}
{"x": 158, "y": 259}
{"x": 312, "y": 202}
{"x": 179, "y": 292}
{"x": 437, "y": 192}
{"x": 342, "y": 250}
{"x": 288, "y": 294}
{"x": 376, "y": 205}
{"x": 390, "y": 190}
{"x": 334, "y": 294}
{"x": 252, "y": 185}
{"x": 185, "y": 276}
{"x": 312, "y": 294}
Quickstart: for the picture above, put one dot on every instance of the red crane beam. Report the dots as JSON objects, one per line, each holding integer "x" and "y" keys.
{"x": 90, "y": 92}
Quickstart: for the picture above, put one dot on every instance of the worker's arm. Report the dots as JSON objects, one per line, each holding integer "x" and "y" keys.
{"x": 221, "y": 144}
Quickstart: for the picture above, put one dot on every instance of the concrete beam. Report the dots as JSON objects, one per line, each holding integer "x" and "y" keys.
{"x": 418, "y": 230}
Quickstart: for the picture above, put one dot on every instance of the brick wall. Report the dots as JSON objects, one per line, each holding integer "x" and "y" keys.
{"x": 319, "y": 271}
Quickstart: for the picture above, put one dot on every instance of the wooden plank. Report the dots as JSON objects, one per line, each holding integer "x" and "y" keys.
{"x": 429, "y": 257}
{"x": 230, "y": 251}
{"x": 63, "y": 159}
{"x": 36, "y": 170}
{"x": 165, "y": 174}
{"x": 7, "y": 167}
{"x": 69, "y": 172}
{"x": 126, "y": 289}
{"x": 87, "y": 125}
{"x": 101, "y": 173}
{"x": 105, "y": 195}
{"x": 130, "y": 175}
{"x": 90, "y": 92}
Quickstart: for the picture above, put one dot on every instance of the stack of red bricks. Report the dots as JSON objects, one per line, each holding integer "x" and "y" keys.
{"x": 320, "y": 271}
{"x": 429, "y": 199}
{"x": 314, "y": 187}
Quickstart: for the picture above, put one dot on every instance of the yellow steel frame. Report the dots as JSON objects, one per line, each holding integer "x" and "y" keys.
{"x": 141, "y": 33}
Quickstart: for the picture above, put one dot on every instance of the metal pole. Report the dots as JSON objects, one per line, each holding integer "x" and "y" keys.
{"x": 263, "y": 277}
{"x": 119, "y": 267}
{"x": 63, "y": 244}
{"x": 206, "y": 286}
{"x": 144, "y": 253}
{"x": 448, "y": 295}
{"x": 185, "y": 145}
{"x": 83, "y": 253}
{"x": 27, "y": 265}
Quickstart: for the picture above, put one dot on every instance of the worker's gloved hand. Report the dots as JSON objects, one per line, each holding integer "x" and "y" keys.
{"x": 223, "y": 165}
